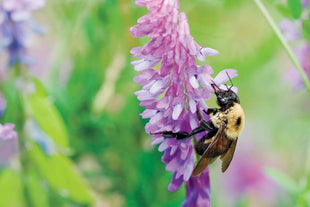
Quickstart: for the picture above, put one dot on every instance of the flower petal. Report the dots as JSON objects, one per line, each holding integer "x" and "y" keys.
{"x": 176, "y": 111}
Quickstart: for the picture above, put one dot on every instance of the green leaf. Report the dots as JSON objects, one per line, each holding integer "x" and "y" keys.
{"x": 39, "y": 87}
{"x": 12, "y": 112}
{"x": 37, "y": 194}
{"x": 11, "y": 189}
{"x": 284, "y": 10}
{"x": 295, "y": 8}
{"x": 283, "y": 180}
{"x": 47, "y": 116}
{"x": 306, "y": 29}
{"x": 59, "y": 171}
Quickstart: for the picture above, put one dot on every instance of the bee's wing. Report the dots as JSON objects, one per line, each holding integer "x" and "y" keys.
{"x": 227, "y": 157}
{"x": 202, "y": 164}
{"x": 207, "y": 158}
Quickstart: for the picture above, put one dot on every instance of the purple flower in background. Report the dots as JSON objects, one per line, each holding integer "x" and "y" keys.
{"x": 303, "y": 54}
{"x": 15, "y": 26}
{"x": 301, "y": 48}
{"x": 7, "y": 133}
{"x": 305, "y": 3}
{"x": 8, "y": 143}
{"x": 249, "y": 179}
{"x": 172, "y": 94}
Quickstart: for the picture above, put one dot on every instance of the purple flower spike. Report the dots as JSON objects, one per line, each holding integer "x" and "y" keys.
{"x": 8, "y": 143}
{"x": 198, "y": 191}
{"x": 172, "y": 94}
{"x": 15, "y": 24}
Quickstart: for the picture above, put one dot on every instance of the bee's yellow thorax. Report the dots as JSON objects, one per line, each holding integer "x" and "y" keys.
{"x": 235, "y": 118}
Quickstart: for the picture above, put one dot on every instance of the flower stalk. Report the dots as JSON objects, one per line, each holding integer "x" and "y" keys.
{"x": 283, "y": 41}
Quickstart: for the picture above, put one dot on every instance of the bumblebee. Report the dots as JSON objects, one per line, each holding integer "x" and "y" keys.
{"x": 223, "y": 129}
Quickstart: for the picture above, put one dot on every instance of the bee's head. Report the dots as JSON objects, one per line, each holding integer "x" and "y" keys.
{"x": 225, "y": 98}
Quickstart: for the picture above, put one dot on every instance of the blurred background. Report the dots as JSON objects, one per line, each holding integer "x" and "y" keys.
{"x": 85, "y": 83}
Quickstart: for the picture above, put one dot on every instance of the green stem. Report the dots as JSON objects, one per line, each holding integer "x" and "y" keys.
{"x": 25, "y": 161}
{"x": 283, "y": 42}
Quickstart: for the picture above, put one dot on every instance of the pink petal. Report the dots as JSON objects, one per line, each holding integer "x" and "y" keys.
{"x": 176, "y": 111}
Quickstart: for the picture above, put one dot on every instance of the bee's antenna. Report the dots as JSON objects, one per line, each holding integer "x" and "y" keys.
{"x": 214, "y": 86}
{"x": 230, "y": 81}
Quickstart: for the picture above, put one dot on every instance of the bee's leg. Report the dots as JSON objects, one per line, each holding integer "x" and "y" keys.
{"x": 204, "y": 124}
{"x": 177, "y": 135}
{"x": 182, "y": 135}
{"x": 206, "y": 140}
{"x": 211, "y": 111}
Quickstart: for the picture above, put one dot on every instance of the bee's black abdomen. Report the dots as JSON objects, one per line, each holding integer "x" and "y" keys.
{"x": 201, "y": 146}
{"x": 204, "y": 142}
